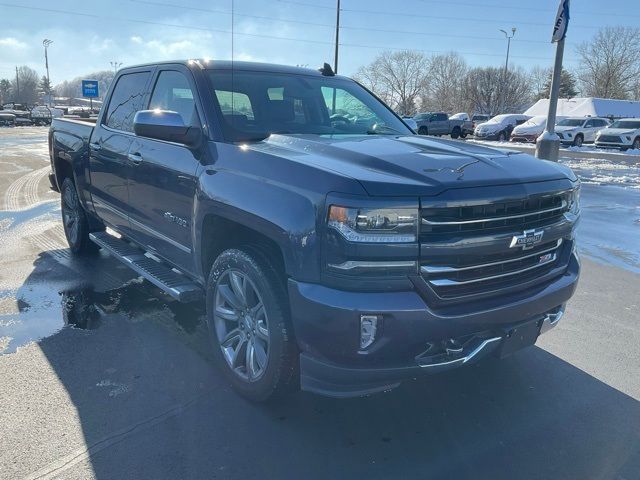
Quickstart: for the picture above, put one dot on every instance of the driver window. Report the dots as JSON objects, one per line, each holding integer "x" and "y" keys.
{"x": 173, "y": 92}
{"x": 590, "y": 123}
{"x": 341, "y": 104}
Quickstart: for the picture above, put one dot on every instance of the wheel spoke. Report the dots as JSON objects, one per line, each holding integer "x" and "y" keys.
{"x": 226, "y": 314}
{"x": 229, "y": 296}
{"x": 237, "y": 353}
{"x": 238, "y": 285}
{"x": 231, "y": 337}
{"x": 250, "y": 361}
{"x": 262, "y": 331}
{"x": 260, "y": 354}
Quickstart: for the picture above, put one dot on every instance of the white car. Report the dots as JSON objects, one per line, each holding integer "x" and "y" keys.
{"x": 499, "y": 127}
{"x": 578, "y": 130}
{"x": 623, "y": 134}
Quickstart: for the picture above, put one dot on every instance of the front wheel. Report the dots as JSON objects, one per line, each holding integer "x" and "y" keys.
{"x": 502, "y": 137}
{"x": 247, "y": 315}
{"x": 636, "y": 144}
{"x": 423, "y": 131}
{"x": 577, "y": 142}
{"x": 74, "y": 220}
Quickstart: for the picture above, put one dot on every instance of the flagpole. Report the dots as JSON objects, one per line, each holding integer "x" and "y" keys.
{"x": 548, "y": 144}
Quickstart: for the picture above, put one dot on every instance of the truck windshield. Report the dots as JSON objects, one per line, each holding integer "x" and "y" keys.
{"x": 255, "y": 105}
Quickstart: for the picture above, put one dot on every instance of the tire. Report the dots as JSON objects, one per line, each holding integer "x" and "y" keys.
{"x": 463, "y": 135}
{"x": 578, "y": 140}
{"x": 636, "y": 144}
{"x": 249, "y": 325}
{"x": 423, "y": 131}
{"x": 74, "y": 220}
{"x": 502, "y": 137}
{"x": 455, "y": 133}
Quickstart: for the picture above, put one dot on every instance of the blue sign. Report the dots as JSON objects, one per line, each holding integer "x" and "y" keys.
{"x": 90, "y": 88}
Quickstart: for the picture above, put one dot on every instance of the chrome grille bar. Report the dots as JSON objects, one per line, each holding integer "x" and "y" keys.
{"x": 445, "y": 282}
{"x": 497, "y": 219}
{"x": 436, "y": 269}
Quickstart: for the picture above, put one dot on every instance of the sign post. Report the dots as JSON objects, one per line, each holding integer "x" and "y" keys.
{"x": 90, "y": 90}
{"x": 548, "y": 144}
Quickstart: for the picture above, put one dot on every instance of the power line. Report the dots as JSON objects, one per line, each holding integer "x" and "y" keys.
{"x": 329, "y": 25}
{"x": 274, "y": 37}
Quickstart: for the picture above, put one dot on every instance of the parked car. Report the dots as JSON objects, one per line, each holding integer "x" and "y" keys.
{"x": 331, "y": 255}
{"x": 7, "y": 119}
{"x": 411, "y": 122}
{"x": 499, "y": 127}
{"x": 578, "y": 130}
{"x": 439, "y": 123}
{"x": 530, "y": 130}
{"x": 477, "y": 119}
{"x": 623, "y": 134}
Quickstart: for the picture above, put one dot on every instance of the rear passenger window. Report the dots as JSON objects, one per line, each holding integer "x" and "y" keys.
{"x": 127, "y": 99}
{"x": 173, "y": 92}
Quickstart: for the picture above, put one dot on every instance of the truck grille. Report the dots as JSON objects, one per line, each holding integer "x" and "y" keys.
{"x": 451, "y": 276}
{"x": 609, "y": 139}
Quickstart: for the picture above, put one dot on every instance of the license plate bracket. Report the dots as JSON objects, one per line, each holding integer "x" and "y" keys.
{"x": 519, "y": 337}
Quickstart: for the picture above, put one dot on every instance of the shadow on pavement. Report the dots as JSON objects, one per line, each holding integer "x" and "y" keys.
{"x": 152, "y": 405}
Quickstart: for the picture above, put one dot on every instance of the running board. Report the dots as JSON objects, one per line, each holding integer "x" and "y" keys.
{"x": 175, "y": 284}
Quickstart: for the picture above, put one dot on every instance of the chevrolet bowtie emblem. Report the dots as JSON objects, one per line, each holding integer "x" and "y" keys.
{"x": 528, "y": 239}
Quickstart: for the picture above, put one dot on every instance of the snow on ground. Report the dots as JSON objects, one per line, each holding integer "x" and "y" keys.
{"x": 601, "y": 171}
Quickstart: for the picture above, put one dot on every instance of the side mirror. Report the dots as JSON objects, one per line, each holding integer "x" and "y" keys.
{"x": 165, "y": 125}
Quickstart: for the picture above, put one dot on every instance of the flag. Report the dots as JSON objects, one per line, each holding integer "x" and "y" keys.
{"x": 562, "y": 22}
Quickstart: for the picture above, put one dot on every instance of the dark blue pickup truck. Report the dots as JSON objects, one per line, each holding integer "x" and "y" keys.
{"x": 336, "y": 251}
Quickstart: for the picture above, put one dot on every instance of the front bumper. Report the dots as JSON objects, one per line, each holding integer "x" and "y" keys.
{"x": 327, "y": 326}
{"x": 621, "y": 146}
{"x": 486, "y": 136}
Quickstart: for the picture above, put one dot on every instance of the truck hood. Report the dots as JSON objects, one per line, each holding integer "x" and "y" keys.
{"x": 412, "y": 165}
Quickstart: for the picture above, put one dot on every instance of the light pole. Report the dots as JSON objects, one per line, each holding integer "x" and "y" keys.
{"x": 47, "y": 43}
{"x": 116, "y": 66}
{"x": 506, "y": 64}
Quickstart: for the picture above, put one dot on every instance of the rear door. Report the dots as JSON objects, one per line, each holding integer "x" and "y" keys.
{"x": 439, "y": 124}
{"x": 109, "y": 145}
{"x": 162, "y": 184}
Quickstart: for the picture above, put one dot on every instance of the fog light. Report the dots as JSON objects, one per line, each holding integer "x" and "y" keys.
{"x": 368, "y": 329}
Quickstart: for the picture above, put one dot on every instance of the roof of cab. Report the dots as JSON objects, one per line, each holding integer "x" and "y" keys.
{"x": 208, "y": 64}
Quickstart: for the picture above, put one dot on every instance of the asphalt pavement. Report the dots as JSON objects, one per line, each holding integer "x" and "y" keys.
{"x": 102, "y": 376}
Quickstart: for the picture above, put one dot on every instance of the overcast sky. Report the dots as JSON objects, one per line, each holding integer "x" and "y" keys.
{"x": 89, "y": 34}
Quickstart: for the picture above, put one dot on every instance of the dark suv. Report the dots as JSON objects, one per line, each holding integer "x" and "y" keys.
{"x": 335, "y": 250}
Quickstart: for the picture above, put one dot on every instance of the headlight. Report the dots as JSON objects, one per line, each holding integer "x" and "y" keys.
{"x": 574, "y": 200}
{"x": 378, "y": 225}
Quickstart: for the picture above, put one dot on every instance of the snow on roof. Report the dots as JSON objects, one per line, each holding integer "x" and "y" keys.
{"x": 589, "y": 106}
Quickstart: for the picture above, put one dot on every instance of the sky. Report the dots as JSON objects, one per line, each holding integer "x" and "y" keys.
{"x": 90, "y": 34}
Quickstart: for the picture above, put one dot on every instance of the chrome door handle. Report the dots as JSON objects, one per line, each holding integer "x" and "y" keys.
{"x": 95, "y": 146}
{"x": 135, "y": 158}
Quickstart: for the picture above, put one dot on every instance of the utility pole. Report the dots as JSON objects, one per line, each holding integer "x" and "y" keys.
{"x": 115, "y": 65}
{"x": 46, "y": 42}
{"x": 548, "y": 144}
{"x": 17, "y": 87}
{"x": 506, "y": 65}
{"x": 335, "y": 62}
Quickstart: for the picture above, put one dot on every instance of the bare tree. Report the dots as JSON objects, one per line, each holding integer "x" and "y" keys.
{"x": 25, "y": 90}
{"x": 488, "y": 90}
{"x": 5, "y": 91}
{"x": 538, "y": 77}
{"x": 444, "y": 85}
{"x": 610, "y": 63}
{"x": 398, "y": 78}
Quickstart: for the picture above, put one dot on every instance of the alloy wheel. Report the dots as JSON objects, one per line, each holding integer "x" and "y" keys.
{"x": 241, "y": 324}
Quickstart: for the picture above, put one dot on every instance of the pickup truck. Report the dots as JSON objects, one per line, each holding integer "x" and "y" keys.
{"x": 440, "y": 124}
{"x": 336, "y": 256}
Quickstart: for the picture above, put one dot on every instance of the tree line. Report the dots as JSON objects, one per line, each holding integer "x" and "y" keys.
{"x": 410, "y": 81}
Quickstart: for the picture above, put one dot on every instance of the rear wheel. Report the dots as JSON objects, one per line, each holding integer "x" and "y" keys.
{"x": 463, "y": 135}
{"x": 455, "y": 133}
{"x": 247, "y": 315}
{"x": 423, "y": 131}
{"x": 74, "y": 220}
{"x": 578, "y": 140}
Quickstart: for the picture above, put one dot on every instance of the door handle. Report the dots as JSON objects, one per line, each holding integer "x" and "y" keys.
{"x": 135, "y": 158}
{"x": 95, "y": 146}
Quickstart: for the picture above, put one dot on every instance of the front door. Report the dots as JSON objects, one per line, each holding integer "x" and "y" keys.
{"x": 109, "y": 146}
{"x": 162, "y": 183}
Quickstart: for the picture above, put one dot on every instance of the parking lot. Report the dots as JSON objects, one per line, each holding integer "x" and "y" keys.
{"x": 103, "y": 376}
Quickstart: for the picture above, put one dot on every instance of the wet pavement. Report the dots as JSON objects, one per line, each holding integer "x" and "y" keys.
{"x": 104, "y": 376}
